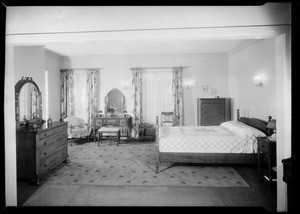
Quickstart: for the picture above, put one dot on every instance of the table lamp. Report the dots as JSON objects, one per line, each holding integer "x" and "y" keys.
{"x": 272, "y": 125}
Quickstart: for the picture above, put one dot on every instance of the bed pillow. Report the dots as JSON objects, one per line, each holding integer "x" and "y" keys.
{"x": 254, "y": 123}
{"x": 243, "y": 130}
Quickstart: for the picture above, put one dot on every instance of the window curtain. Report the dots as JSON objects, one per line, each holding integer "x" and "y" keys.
{"x": 66, "y": 93}
{"x": 137, "y": 100}
{"x": 80, "y": 93}
{"x": 178, "y": 96}
{"x": 92, "y": 87}
{"x": 157, "y": 93}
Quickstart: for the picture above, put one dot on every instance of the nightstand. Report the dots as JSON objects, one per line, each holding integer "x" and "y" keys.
{"x": 266, "y": 151}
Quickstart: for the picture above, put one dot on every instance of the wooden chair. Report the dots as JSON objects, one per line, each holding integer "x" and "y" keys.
{"x": 167, "y": 118}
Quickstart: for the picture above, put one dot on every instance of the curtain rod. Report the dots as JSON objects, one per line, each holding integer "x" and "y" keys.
{"x": 78, "y": 68}
{"x": 158, "y": 67}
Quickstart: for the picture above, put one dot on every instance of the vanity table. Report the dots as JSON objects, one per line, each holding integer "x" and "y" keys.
{"x": 124, "y": 123}
{"x": 115, "y": 114}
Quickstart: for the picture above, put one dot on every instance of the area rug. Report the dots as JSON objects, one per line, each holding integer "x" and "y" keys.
{"x": 133, "y": 164}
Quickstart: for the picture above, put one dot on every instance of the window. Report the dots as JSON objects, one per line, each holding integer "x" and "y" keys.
{"x": 156, "y": 93}
{"x": 80, "y": 94}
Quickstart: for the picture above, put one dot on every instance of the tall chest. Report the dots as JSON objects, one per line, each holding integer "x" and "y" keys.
{"x": 213, "y": 111}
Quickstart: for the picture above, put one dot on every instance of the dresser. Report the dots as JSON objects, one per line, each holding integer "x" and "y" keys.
{"x": 213, "y": 111}
{"x": 125, "y": 123}
{"x": 40, "y": 149}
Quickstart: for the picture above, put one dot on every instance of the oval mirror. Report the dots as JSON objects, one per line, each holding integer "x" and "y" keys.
{"x": 28, "y": 100}
{"x": 114, "y": 103}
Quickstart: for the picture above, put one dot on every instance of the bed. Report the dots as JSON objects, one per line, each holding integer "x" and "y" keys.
{"x": 232, "y": 142}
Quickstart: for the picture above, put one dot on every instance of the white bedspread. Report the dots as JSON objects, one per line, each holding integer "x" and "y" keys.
{"x": 207, "y": 139}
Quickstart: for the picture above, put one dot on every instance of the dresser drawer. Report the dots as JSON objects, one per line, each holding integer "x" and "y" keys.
{"x": 208, "y": 117}
{"x": 212, "y": 107}
{"x": 47, "y": 151}
{"x": 110, "y": 121}
{"x": 58, "y": 156}
{"x": 216, "y": 112}
{"x": 213, "y": 101}
{"x": 52, "y": 131}
{"x": 211, "y": 123}
{"x": 48, "y": 141}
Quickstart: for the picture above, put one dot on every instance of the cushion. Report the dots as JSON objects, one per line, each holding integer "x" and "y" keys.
{"x": 254, "y": 123}
{"x": 74, "y": 122}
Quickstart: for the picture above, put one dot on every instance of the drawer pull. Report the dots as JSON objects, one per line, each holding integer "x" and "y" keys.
{"x": 45, "y": 134}
{"x": 45, "y": 153}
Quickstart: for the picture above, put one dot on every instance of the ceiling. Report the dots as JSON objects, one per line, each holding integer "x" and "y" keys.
{"x": 108, "y": 31}
{"x": 147, "y": 47}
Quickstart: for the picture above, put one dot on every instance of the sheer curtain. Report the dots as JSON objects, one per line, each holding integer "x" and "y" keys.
{"x": 157, "y": 93}
{"x": 80, "y": 94}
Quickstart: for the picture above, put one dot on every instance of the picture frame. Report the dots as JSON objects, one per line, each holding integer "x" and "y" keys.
{"x": 213, "y": 91}
{"x": 205, "y": 88}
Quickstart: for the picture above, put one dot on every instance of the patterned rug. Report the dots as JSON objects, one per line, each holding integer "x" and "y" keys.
{"x": 132, "y": 163}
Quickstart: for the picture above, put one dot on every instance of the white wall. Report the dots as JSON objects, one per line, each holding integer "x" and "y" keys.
{"x": 52, "y": 65}
{"x": 202, "y": 70}
{"x": 29, "y": 61}
{"x": 10, "y": 129}
{"x": 257, "y": 59}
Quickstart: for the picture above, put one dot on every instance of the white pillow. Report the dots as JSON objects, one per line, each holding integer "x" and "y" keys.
{"x": 242, "y": 129}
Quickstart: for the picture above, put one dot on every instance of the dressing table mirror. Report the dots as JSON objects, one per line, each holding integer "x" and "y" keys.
{"x": 28, "y": 101}
{"x": 115, "y": 103}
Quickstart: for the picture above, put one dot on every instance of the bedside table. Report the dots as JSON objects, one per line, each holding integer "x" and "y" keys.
{"x": 266, "y": 151}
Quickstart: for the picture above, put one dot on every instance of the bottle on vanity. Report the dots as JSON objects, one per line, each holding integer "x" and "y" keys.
{"x": 49, "y": 121}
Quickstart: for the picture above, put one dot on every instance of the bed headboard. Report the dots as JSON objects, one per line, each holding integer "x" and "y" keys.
{"x": 256, "y": 123}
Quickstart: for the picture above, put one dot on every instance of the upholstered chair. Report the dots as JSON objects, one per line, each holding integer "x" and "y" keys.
{"x": 77, "y": 128}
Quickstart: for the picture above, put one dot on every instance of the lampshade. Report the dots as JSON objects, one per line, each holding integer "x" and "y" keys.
{"x": 272, "y": 124}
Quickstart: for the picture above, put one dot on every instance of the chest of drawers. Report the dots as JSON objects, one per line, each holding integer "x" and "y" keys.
{"x": 40, "y": 150}
{"x": 213, "y": 111}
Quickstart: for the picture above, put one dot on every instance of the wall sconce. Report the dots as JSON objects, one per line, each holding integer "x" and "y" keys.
{"x": 188, "y": 84}
{"x": 258, "y": 81}
{"x": 125, "y": 85}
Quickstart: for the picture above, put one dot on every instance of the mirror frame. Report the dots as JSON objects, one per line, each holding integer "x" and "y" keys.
{"x": 18, "y": 88}
{"x": 106, "y": 100}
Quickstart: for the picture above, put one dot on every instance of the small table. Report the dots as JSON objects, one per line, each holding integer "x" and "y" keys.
{"x": 109, "y": 130}
{"x": 267, "y": 148}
